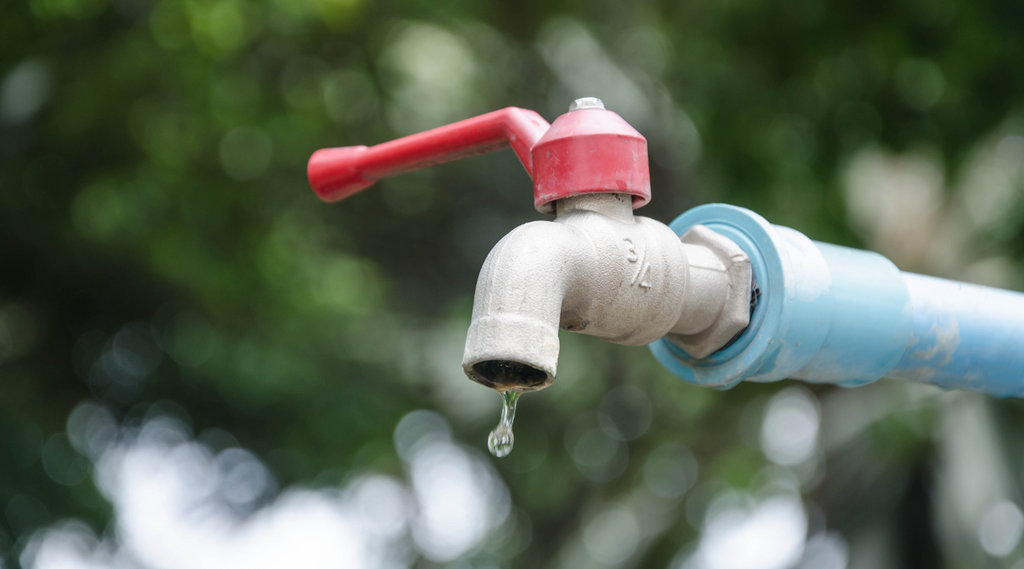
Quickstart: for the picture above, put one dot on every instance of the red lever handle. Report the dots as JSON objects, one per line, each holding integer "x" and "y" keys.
{"x": 336, "y": 173}
{"x": 585, "y": 151}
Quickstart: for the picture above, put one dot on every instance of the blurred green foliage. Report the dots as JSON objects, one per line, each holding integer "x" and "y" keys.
{"x": 152, "y": 160}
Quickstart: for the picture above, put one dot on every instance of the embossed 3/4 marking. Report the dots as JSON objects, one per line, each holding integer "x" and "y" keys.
{"x": 642, "y": 278}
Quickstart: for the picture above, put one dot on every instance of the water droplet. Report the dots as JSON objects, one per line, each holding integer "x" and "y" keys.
{"x": 500, "y": 441}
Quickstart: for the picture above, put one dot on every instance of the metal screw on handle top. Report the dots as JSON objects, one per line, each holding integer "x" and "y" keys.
{"x": 586, "y": 103}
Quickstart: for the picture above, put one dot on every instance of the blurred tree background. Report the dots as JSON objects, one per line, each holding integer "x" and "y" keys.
{"x": 201, "y": 365}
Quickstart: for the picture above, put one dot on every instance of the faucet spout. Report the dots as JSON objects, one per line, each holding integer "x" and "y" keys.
{"x": 598, "y": 270}
{"x": 524, "y": 285}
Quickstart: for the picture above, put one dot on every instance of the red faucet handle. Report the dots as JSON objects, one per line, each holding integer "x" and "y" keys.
{"x": 336, "y": 173}
{"x": 587, "y": 150}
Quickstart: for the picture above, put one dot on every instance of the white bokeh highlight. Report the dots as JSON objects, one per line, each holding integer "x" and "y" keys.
{"x": 741, "y": 532}
{"x": 180, "y": 505}
{"x": 789, "y": 431}
{"x": 1001, "y": 528}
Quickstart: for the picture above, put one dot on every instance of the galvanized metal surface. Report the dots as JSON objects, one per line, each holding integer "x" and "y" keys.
{"x": 596, "y": 270}
{"x": 711, "y": 319}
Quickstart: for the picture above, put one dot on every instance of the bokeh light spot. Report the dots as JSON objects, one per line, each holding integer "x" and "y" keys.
{"x": 670, "y": 470}
{"x": 24, "y": 91}
{"x": 611, "y": 537}
{"x": 1001, "y": 528}
{"x": 789, "y": 432}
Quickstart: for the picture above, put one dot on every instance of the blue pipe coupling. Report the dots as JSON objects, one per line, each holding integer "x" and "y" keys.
{"x": 830, "y": 314}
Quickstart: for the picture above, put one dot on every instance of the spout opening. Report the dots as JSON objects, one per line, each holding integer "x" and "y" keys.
{"x": 507, "y": 375}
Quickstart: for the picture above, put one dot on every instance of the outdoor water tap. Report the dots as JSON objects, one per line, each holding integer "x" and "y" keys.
{"x": 721, "y": 295}
{"x": 596, "y": 269}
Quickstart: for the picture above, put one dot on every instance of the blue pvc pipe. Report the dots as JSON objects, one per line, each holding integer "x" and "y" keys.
{"x": 964, "y": 337}
{"x": 830, "y": 314}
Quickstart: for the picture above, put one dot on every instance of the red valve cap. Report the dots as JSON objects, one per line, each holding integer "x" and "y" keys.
{"x": 590, "y": 151}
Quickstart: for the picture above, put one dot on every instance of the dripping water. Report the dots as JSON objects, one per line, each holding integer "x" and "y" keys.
{"x": 500, "y": 441}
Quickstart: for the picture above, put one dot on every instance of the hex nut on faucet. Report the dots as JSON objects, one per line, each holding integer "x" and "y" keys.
{"x": 734, "y": 314}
